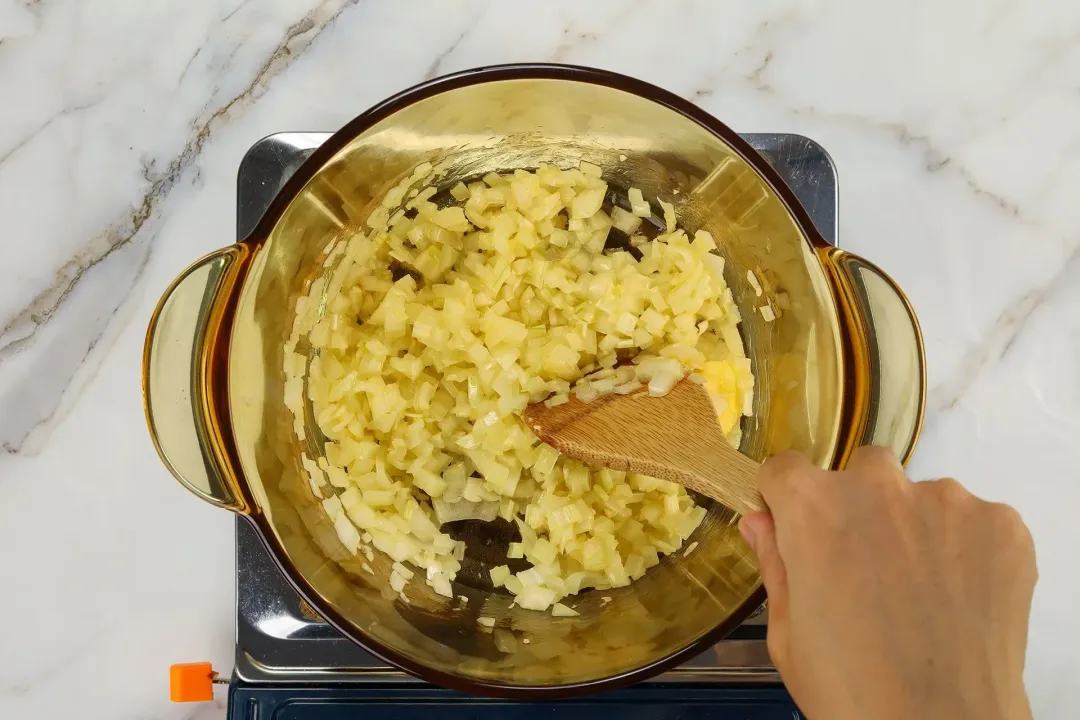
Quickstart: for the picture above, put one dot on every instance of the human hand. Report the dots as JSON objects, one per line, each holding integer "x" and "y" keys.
{"x": 892, "y": 599}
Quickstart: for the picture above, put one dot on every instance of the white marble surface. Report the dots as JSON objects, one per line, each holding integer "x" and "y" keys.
{"x": 955, "y": 126}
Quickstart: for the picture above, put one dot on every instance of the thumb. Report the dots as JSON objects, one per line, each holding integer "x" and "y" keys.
{"x": 759, "y": 531}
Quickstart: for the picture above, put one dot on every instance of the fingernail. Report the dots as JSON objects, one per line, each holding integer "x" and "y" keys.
{"x": 747, "y": 532}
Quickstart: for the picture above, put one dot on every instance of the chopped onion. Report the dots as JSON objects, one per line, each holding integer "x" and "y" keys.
{"x": 669, "y": 216}
{"x": 560, "y": 610}
{"x": 332, "y": 507}
{"x": 347, "y": 533}
{"x": 589, "y": 169}
{"x": 657, "y": 374}
{"x": 557, "y": 399}
{"x": 486, "y": 510}
{"x": 441, "y": 585}
{"x": 499, "y": 575}
{"x": 638, "y": 205}
{"x": 417, "y": 383}
{"x": 752, "y": 279}
{"x": 397, "y": 581}
{"x": 625, "y": 221}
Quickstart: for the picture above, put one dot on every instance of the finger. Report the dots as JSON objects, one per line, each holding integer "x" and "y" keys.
{"x": 779, "y": 477}
{"x": 876, "y": 463}
{"x": 760, "y": 533}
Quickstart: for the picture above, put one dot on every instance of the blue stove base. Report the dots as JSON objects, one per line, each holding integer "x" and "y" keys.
{"x": 424, "y": 702}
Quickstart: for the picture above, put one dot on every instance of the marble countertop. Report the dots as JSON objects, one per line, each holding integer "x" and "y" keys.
{"x": 955, "y": 127}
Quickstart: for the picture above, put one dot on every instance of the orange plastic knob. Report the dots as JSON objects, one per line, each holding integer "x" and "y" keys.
{"x": 191, "y": 682}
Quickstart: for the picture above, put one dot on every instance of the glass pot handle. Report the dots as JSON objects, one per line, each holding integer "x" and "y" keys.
{"x": 888, "y": 396}
{"x": 178, "y": 374}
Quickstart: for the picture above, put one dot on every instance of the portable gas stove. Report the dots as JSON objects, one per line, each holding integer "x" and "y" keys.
{"x": 290, "y": 665}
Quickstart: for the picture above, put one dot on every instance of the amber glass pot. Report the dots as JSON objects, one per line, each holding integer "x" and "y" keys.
{"x": 840, "y": 366}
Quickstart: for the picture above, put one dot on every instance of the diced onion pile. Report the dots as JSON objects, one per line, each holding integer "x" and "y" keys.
{"x": 504, "y": 295}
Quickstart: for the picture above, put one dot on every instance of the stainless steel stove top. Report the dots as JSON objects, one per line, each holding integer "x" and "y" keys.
{"x": 281, "y": 640}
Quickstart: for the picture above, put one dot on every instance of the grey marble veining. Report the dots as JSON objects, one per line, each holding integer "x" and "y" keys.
{"x": 955, "y": 127}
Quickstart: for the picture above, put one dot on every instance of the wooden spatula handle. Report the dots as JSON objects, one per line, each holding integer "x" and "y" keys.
{"x": 723, "y": 473}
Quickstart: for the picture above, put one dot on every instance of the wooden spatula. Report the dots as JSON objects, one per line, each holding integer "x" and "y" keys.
{"x": 674, "y": 437}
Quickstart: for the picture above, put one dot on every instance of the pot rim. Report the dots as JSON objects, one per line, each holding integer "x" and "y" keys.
{"x": 530, "y": 71}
